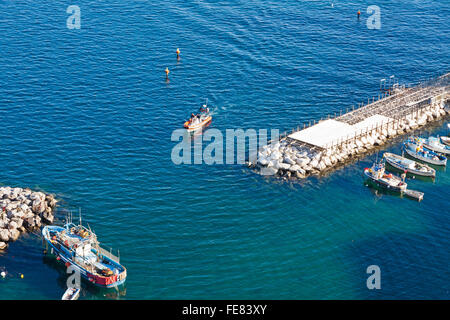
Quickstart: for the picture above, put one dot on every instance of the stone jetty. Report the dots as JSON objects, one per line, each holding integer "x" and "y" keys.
{"x": 324, "y": 144}
{"x": 23, "y": 210}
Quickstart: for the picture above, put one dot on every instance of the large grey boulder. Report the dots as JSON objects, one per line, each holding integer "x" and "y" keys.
{"x": 268, "y": 171}
{"x": 288, "y": 161}
{"x": 4, "y": 235}
{"x": 284, "y": 166}
{"x": 29, "y": 223}
{"x": 17, "y": 221}
{"x": 51, "y": 201}
{"x": 14, "y": 234}
{"x": 12, "y": 225}
{"x": 39, "y": 206}
{"x": 47, "y": 216}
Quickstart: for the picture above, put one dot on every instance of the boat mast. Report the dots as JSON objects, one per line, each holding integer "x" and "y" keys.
{"x": 79, "y": 213}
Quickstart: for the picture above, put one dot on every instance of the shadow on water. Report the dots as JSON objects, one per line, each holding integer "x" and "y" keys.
{"x": 405, "y": 273}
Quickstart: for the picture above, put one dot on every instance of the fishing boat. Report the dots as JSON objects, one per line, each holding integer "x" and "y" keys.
{"x": 416, "y": 150}
{"x": 410, "y": 166}
{"x": 200, "y": 120}
{"x": 75, "y": 245}
{"x": 377, "y": 175}
{"x": 71, "y": 294}
{"x": 434, "y": 144}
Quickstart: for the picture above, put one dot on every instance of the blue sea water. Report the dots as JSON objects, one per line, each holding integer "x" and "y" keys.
{"x": 87, "y": 115}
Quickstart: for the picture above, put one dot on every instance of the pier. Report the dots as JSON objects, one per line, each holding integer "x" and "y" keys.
{"x": 320, "y": 145}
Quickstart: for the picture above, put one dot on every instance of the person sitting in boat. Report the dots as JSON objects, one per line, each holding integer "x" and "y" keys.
{"x": 204, "y": 109}
{"x": 192, "y": 119}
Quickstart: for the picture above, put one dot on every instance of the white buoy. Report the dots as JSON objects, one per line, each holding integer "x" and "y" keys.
{"x": 3, "y": 274}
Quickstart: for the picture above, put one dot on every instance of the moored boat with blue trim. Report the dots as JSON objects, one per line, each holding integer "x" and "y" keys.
{"x": 414, "y": 148}
{"x": 77, "y": 246}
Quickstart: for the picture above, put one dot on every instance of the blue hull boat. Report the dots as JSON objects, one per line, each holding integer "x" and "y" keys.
{"x": 434, "y": 144}
{"x": 418, "y": 151}
{"x": 75, "y": 245}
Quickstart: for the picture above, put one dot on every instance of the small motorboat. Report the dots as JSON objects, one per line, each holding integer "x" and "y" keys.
{"x": 410, "y": 166}
{"x": 434, "y": 144}
{"x": 377, "y": 175}
{"x": 200, "y": 120}
{"x": 418, "y": 151}
{"x": 71, "y": 294}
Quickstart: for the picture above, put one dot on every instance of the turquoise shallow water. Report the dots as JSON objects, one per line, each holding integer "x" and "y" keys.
{"x": 86, "y": 114}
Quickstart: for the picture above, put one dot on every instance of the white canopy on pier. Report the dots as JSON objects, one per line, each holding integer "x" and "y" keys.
{"x": 328, "y": 131}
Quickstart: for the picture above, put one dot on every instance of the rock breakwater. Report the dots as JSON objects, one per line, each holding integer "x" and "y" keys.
{"x": 23, "y": 210}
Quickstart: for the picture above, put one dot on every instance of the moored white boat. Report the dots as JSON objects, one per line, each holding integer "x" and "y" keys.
{"x": 434, "y": 144}
{"x": 419, "y": 152}
{"x": 410, "y": 166}
{"x": 377, "y": 175}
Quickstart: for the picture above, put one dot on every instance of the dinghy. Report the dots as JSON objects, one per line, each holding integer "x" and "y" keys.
{"x": 377, "y": 175}
{"x": 410, "y": 166}
{"x": 71, "y": 294}
{"x": 418, "y": 151}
